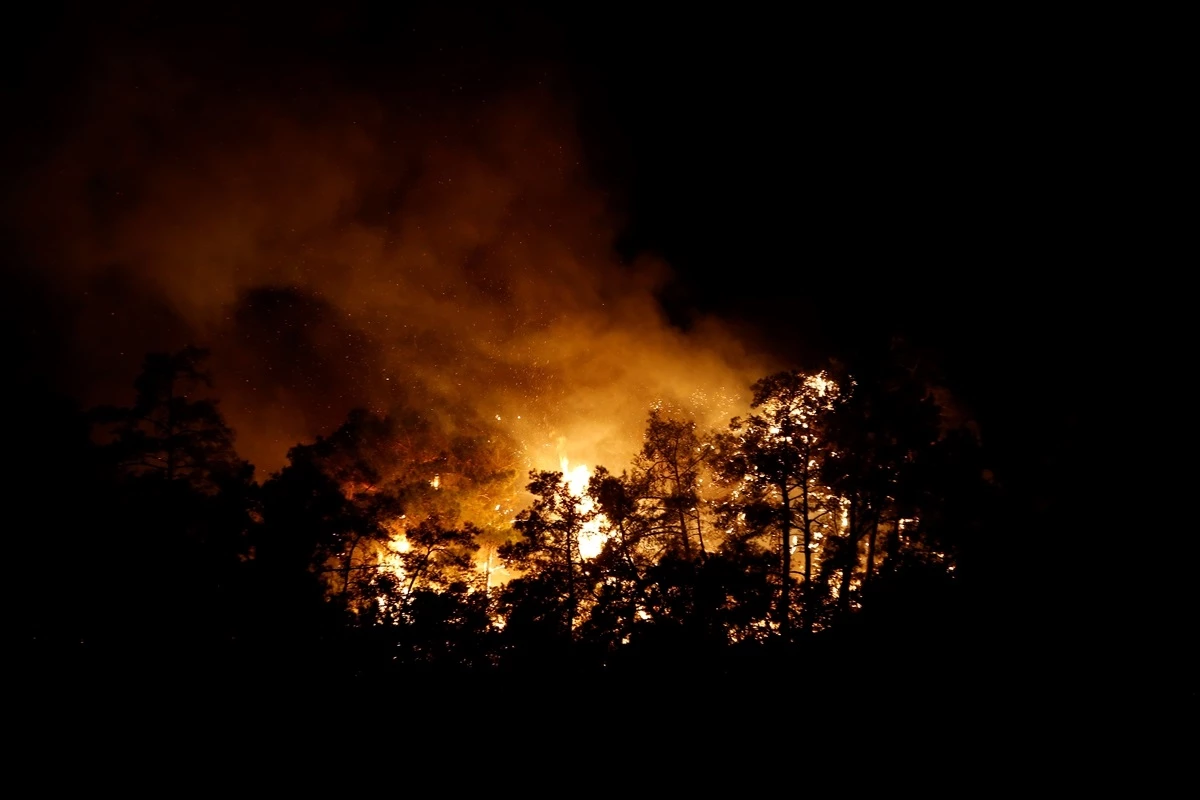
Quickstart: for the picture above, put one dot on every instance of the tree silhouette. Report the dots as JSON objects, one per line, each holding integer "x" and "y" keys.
{"x": 436, "y": 556}
{"x": 367, "y": 543}
{"x": 170, "y": 432}
{"x": 368, "y": 499}
{"x": 669, "y": 472}
{"x": 880, "y": 426}
{"x": 435, "y": 597}
{"x": 181, "y": 504}
{"x": 654, "y": 525}
{"x": 545, "y": 602}
{"x": 771, "y": 459}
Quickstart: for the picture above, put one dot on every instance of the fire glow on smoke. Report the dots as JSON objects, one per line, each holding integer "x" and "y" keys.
{"x": 443, "y": 256}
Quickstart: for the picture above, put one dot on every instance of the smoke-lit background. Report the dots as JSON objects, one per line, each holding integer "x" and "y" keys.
{"x": 339, "y": 244}
{"x": 562, "y": 217}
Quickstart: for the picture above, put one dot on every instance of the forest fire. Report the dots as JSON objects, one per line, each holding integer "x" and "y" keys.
{"x": 407, "y": 383}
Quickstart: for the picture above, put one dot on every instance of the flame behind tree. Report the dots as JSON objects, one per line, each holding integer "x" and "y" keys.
{"x": 381, "y": 525}
{"x": 658, "y": 524}
{"x": 427, "y": 558}
{"x": 552, "y": 591}
{"x": 813, "y": 468}
{"x": 657, "y": 507}
{"x": 669, "y": 472}
{"x": 362, "y": 491}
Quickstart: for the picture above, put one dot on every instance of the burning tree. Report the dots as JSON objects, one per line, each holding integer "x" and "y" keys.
{"x": 377, "y": 506}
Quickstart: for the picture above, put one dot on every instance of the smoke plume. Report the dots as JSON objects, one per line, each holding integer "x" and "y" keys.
{"x": 338, "y": 248}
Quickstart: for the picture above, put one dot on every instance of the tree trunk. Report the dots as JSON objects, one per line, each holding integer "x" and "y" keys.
{"x": 871, "y": 552}
{"x": 785, "y": 594}
{"x": 412, "y": 579}
{"x": 683, "y": 534}
{"x": 347, "y": 567}
{"x": 170, "y": 437}
{"x": 891, "y": 547}
{"x": 683, "y": 529}
{"x": 850, "y": 557}
{"x": 807, "y": 552}
{"x": 570, "y": 585}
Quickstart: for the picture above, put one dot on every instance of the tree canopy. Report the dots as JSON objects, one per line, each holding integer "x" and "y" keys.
{"x": 842, "y": 493}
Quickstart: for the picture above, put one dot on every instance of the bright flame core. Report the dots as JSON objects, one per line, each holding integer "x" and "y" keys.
{"x": 591, "y": 538}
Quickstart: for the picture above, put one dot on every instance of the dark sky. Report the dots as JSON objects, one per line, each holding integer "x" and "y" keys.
{"x": 824, "y": 180}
